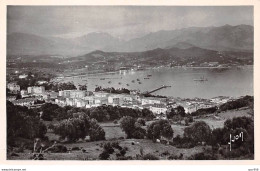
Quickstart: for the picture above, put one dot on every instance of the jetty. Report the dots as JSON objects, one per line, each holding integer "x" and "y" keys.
{"x": 163, "y": 86}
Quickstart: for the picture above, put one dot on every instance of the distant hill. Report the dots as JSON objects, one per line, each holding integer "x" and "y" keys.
{"x": 236, "y": 38}
{"x": 225, "y": 38}
{"x": 187, "y": 54}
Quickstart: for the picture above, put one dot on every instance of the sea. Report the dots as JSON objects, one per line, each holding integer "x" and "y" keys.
{"x": 183, "y": 82}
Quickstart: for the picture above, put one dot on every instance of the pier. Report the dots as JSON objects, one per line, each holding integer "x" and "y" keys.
{"x": 163, "y": 86}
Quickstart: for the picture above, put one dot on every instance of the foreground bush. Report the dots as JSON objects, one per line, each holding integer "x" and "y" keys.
{"x": 131, "y": 128}
{"x": 79, "y": 127}
{"x": 198, "y": 132}
{"x": 158, "y": 129}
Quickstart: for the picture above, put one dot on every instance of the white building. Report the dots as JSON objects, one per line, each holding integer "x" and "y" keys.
{"x": 13, "y": 87}
{"x": 25, "y": 102}
{"x": 153, "y": 100}
{"x": 36, "y": 90}
{"x": 158, "y": 108}
{"x": 23, "y": 76}
{"x": 101, "y": 94}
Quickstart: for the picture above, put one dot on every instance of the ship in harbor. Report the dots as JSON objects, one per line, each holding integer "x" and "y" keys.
{"x": 201, "y": 79}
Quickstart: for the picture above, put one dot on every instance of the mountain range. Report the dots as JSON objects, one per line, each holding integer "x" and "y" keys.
{"x": 223, "y": 38}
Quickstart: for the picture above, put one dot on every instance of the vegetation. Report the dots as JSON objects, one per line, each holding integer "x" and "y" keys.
{"x": 132, "y": 130}
{"x": 198, "y": 132}
{"x": 204, "y": 111}
{"x": 101, "y": 113}
{"x": 235, "y": 104}
{"x": 78, "y": 127}
{"x": 178, "y": 111}
{"x": 158, "y": 129}
{"x": 24, "y": 123}
{"x": 113, "y": 90}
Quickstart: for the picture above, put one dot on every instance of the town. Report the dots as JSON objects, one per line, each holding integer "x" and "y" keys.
{"x": 87, "y": 99}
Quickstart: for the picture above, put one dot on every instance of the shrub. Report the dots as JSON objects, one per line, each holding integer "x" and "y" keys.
{"x": 104, "y": 155}
{"x": 203, "y": 156}
{"x": 198, "y": 132}
{"x": 150, "y": 157}
{"x": 159, "y": 128}
{"x": 79, "y": 127}
{"x": 129, "y": 126}
{"x": 59, "y": 149}
{"x": 108, "y": 147}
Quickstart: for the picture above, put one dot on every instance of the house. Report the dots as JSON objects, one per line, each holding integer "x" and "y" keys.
{"x": 101, "y": 101}
{"x": 36, "y": 90}
{"x": 10, "y": 98}
{"x": 115, "y": 99}
{"x": 60, "y": 101}
{"x": 14, "y": 88}
{"x": 81, "y": 103}
{"x": 77, "y": 93}
{"x": 153, "y": 100}
{"x": 72, "y": 93}
{"x": 101, "y": 94}
{"x": 23, "y": 76}
{"x": 25, "y": 102}
{"x": 158, "y": 108}
{"x": 42, "y": 82}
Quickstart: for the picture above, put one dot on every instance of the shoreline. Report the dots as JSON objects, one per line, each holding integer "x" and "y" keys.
{"x": 152, "y": 68}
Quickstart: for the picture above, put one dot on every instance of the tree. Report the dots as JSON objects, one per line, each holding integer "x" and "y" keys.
{"x": 171, "y": 114}
{"x": 146, "y": 113}
{"x": 180, "y": 111}
{"x": 132, "y": 129}
{"x": 83, "y": 87}
{"x": 159, "y": 128}
{"x": 198, "y": 132}
{"x": 23, "y": 122}
{"x": 96, "y": 132}
{"x": 128, "y": 125}
{"x": 141, "y": 121}
{"x": 79, "y": 127}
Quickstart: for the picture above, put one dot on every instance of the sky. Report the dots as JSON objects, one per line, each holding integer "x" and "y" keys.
{"x": 124, "y": 22}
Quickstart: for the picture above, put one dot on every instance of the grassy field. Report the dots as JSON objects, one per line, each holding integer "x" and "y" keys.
{"x": 218, "y": 121}
{"x": 93, "y": 149}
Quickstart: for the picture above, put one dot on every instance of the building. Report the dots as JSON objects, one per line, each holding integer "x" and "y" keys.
{"x": 24, "y": 93}
{"x": 101, "y": 94}
{"x": 115, "y": 100}
{"x": 25, "y": 102}
{"x": 77, "y": 93}
{"x": 101, "y": 101}
{"x": 36, "y": 90}
{"x": 23, "y": 76}
{"x": 158, "y": 108}
{"x": 153, "y": 100}
{"x": 65, "y": 93}
{"x": 60, "y": 101}
{"x": 73, "y": 93}
{"x": 10, "y": 98}
{"x": 42, "y": 82}
{"x": 14, "y": 88}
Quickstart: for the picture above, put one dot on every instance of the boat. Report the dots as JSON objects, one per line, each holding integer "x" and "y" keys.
{"x": 119, "y": 83}
{"x": 201, "y": 79}
{"x": 133, "y": 81}
{"x": 109, "y": 82}
{"x": 137, "y": 79}
{"x": 127, "y": 84}
{"x": 149, "y": 75}
{"x": 139, "y": 82}
{"x": 102, "y": 78}
{"x": 146, "y": 78}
